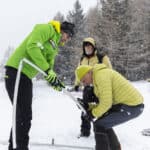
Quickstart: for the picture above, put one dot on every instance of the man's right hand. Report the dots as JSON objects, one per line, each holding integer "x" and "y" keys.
{"x": 51, "y": 76}
{"x": 54, "y": 81}
{"x": 76, "y": 88}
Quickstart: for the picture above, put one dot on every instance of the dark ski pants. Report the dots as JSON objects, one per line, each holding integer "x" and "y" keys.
{"x": 118, "y": 114}
{"x": 85, "y": 125}
{"x": 88, "y": 97}
{"x": 24, "y": 107}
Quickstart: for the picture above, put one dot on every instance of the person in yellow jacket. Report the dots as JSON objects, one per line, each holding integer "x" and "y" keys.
{"x": 90, "y": 56}
{"x": 119, "y": 101}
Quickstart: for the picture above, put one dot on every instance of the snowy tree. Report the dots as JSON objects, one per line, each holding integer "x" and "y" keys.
{"x": 77, "y": 17}
{"x": 129, "y": 36}
{"x": 138, "y": 39}
{"x": 59, "y": 16}
{"x": 69, "y": 54}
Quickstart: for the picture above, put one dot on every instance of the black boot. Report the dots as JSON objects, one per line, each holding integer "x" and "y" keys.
{"x": 102, "y": 140}
{"x": 114, "y": 142}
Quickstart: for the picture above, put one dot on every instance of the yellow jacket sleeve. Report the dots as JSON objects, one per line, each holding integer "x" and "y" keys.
{"x": 103, "y": 90}
{"x": 107, "y": 62}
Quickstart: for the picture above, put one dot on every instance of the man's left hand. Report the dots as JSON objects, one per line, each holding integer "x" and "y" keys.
{"x": 89, "y": 116}
{"x": 57, "y": 85}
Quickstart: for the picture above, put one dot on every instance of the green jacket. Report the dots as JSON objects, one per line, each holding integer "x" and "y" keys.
{"x": 40, "y": 47}
{"x": 112, "y": 88}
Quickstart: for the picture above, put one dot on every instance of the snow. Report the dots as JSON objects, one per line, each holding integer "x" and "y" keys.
{"x": 56, "y": 116}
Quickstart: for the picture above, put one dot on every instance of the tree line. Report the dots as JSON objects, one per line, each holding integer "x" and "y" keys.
{"x": 122, "y": 27}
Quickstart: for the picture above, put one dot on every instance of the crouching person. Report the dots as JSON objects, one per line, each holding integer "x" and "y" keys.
{"x": 118, "y": 102}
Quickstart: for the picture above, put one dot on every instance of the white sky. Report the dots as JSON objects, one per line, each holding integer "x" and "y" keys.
{"x": 17, "y": 17}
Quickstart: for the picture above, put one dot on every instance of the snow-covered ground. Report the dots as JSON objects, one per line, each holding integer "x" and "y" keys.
{"x": 55, "y": 116}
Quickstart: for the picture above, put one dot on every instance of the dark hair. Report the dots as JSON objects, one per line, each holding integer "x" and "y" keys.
{"x": 68, "y": 28}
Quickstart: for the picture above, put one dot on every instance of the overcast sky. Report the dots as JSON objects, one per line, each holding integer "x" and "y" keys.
{"x": 17, "y": 17}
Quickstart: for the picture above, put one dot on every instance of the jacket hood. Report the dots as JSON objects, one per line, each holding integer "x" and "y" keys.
{"x": 99, "y": 67}
{"x": 56, "y": 25}
{"x": 92, "y": 42}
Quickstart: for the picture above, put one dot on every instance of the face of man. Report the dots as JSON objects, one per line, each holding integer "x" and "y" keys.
{"x": 65, "y": 37}
{"x": 88, "y": 48}
{"x": 87, "y": 79}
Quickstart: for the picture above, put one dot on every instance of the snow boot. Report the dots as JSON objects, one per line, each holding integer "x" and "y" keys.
{"x": 114, "y": 142}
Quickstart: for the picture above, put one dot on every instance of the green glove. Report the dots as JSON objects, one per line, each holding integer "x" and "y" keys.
{"x": 57, "y": 88}
{"x": 53, "y": 80}
{"x": 51, "y": 76}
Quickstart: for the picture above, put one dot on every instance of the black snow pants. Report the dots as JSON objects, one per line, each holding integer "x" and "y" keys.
{"x": 23, "y": 109}
{"x": 88, "y": 97}
{"x": 118, "y": 114}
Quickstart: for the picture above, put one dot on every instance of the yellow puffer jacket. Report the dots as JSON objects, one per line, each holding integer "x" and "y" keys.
{"x": 112, "y": 88}
{"x": 92, "y": 61}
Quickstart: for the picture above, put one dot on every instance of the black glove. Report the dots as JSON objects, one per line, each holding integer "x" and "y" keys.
{"x": 89, "y": 116}
{"x": 84, "y": 105}
{"x": 57, "y": 84}
{"x": 76, "y": 88}
{"x": 89, "y": 96}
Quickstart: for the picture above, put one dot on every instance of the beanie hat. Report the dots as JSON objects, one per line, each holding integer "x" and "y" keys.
{"x": 68, "y": 28}
{"x": 82, "y": 70}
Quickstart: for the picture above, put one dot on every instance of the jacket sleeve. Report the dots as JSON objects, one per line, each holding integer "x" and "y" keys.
{"x": 107, "y": 62}
{"x": 39, "y": 35}
{"x": 103, "y": 86}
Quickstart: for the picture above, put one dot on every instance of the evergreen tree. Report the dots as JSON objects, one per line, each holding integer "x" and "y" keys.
{"x": 77, "y": 17}
{"x": 138, "y": 39}
{"x": 69, "y": 54}
{"x": 116, "y": 18}
{"x": 59, "y": 16}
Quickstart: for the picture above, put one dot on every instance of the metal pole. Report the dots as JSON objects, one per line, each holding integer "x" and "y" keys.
{"x": 75, "y": 100}
{"x": 34, "y": 66}
{"x": 15, "y": 104}
{"x": 64, "y": 90}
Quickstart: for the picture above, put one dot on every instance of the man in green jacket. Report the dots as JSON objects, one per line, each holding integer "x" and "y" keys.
{"x": 118, "y": 102}
{"x": 40, "y": 47}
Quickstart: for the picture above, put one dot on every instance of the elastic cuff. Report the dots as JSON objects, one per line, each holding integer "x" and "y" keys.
{"x": 46, "y": 71}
